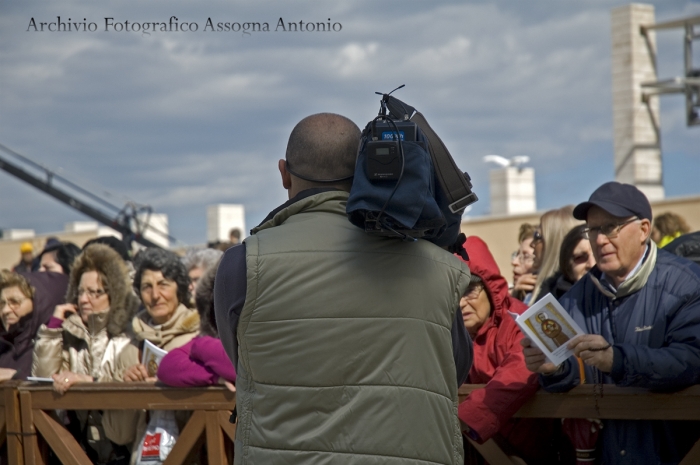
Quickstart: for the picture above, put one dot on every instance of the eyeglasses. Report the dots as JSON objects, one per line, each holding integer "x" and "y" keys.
{"x": 580, "y": 258}
{"x": 473, "y": 291}
{"x": 14, "y": 304}
{"x": 537, "y": 236}
{"x": 92, "y": 293}
{"x": 522, "y": 257}
{"x": 610, "y": 230}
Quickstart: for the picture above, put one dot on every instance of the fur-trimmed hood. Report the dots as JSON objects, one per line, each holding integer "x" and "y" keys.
{"x": 123, "y": 303}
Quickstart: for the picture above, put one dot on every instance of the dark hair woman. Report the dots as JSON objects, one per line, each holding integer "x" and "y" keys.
{"x": 576, "y": 256}
{"x": 58, "y": 257}
{"x": 162, "y": 283}
{"x": 575, "y": 259}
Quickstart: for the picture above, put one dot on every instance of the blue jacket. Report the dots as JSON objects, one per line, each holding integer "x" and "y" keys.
{"x": 655, "y": 333}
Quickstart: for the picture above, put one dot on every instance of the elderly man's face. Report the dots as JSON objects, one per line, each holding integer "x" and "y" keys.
{"x": 618, "y": 254}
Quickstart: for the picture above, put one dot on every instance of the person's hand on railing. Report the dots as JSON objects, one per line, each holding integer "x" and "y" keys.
{"x": 229, "y": 385}
{"x": 64, "y": 380}
{"x": 137, "y": 373}
{"x": 6, "y": 374}
{"x": 535, "y": 359}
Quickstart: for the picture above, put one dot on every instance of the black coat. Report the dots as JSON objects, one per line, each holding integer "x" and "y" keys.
{"x": 17, "y": 342}
{"x": 556, "y": 284}
{"x": 687, "y": 245}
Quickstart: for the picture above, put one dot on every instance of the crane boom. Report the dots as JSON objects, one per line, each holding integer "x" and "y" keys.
{"x": 86, "y": 202}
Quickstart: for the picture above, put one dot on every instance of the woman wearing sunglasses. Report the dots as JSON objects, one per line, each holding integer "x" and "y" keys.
{"x": 575, "y": 258}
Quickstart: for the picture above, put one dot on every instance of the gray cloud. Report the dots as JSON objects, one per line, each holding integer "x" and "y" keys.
{"x": 182, "y": 120}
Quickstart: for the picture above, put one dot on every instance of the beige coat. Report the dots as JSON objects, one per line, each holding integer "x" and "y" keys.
{"x": 126, "y": 426}
{"x": 86, "y": 350}
{"x": 178, "y": 331}
{"x": 90, "y": 348}
{"x": 80, "y": 348}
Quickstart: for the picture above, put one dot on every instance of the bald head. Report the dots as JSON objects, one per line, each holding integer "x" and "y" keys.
{"x": 323, "y": 147}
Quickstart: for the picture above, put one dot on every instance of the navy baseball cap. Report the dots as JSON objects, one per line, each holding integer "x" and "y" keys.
{"x": 621, "y": 200}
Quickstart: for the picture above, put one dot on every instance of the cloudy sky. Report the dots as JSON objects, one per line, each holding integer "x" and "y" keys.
{"x": 181, "y": 120}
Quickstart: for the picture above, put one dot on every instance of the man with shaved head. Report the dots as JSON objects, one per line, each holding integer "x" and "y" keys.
{"x": 348, "y": 348}
{"x": 322, "y": 150}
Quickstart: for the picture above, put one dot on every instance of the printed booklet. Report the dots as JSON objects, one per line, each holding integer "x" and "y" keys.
{"x": 550, "y": 327}
{"x": 152, "y": 355}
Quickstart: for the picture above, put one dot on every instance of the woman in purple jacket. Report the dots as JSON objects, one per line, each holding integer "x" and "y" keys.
{"x": 202, "y": 361}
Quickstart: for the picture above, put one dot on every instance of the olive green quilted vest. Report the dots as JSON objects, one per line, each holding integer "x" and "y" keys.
{"x": 345, "y": 354}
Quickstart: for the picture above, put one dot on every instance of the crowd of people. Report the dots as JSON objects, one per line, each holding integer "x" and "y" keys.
{"x": 83, "y": 315}
{"x": 348, "y": 348}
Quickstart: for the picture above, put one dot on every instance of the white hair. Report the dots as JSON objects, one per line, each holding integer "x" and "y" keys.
{"x": 202, "y": 258}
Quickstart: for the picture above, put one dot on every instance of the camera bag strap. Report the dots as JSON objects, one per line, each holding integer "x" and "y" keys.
{"x": 455, "y": 183}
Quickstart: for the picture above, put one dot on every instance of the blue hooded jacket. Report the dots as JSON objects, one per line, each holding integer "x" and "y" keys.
{"x": 655, "y": 332}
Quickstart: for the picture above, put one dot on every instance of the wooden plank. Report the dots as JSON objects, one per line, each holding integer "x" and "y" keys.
{"x": 491, "y": 452}
{"x": 228, "y": 427}
{"x": 190, "y": 406}
{"x": 612, "y": 402}
{"x": 59, "y": 439}
{"x": 189, "y": 436}
{"x": 29, "y": 443}
{"x": 215, "y": 440}
{"x": 13, "y": 423}
{"x": 589, "y": 401}
{"x": 134, "y": 396}
{"x": 693, "y": 456}
{"x": 3, "y": 424}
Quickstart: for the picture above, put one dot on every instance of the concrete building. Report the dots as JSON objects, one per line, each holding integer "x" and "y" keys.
{"x": 512, "y": 190}
{"x": 77, "y": 232}
{"x": 12, "y": 234}
{"x": 222, "y": 218}
{"x": 636, "y": 121}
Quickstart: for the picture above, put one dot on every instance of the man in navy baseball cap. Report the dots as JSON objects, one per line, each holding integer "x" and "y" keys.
{"x": 640, "y": 310}
{"x": 620, "y": 200}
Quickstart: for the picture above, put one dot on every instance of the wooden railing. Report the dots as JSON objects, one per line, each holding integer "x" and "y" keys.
{"x": 28, "y": 427}
{"x": 608, "y": 402}
{"x": 27, "y": 418}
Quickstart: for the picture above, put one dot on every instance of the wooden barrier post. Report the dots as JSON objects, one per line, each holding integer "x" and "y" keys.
{"x": 205, "y": 427}
{"x": 30, "y": 445}
{"x": 13, "y": 423}
{"x": 190, "y": 438}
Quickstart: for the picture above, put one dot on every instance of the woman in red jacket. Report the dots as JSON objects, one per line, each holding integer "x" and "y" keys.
{"x": 499, "y": 364}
